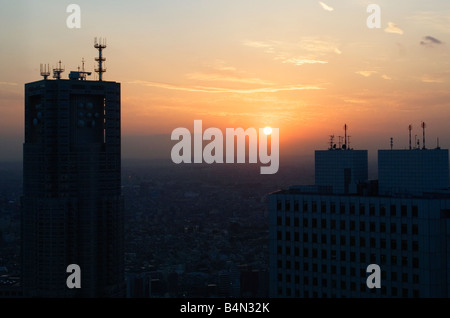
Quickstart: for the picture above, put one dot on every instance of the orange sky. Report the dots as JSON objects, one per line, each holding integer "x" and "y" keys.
{"x": 302, "y": 66}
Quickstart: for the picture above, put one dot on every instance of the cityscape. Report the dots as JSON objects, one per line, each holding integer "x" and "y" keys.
{"x": 317, "y": 165}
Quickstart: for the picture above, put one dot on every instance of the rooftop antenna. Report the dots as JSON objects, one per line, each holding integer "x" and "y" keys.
{"x": 340, "y": 141}
{"x": 423, "y": 129}
{"x": 348, "y": 140}
{"x": 415, "y": 141}
{"x": 410, "y": 128}
{"x": 331, "y": 141}
{"x": 57, "y": 71}
{"x": 392, "y": 143}
{"x": 438, "y": 147}
{"x": 100, "y": 44}
{"x": 45, "y": 70}
{"x": 345, "y": 142}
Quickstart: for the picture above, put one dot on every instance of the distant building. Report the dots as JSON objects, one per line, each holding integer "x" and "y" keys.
{"x": 412, "y": 172}
{"x": 321, "y": 242}
{"x": 72, "y": 203}
{"x": 341, "y": 170}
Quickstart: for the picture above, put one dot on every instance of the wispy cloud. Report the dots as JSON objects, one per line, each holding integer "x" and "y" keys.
{"x": 393, "y": 28}
{"x": 386, "y": 77}
{"x": 301, "y": 61}
{"x": 225, "y": 78}
{"x": 430, "y": 41}
{"x": 206, "y": 89}
{"x": 432, "y": 79}
{"x": 432, "y": 20}
{"x": 309, "y": 50}
{"x": 325, "y": 6}
{"x": 366, "y": 73}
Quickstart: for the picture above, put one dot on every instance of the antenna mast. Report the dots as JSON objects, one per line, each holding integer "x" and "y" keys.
{"x": 423, "y": 142}
{"x": 45, "y": 70}
{"x": 57, "y": 71}
{"x": 410, "y": 128}
{"x": 331, "y": 141}
{"x": 345, "y": 140}
{"x": 100, "y": 45}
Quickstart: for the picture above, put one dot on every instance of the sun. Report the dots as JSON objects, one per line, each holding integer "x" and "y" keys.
{"x": 267, "y": 130}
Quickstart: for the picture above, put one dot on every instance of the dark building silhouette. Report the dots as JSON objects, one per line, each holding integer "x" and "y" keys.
{"x": 72, "y": 207}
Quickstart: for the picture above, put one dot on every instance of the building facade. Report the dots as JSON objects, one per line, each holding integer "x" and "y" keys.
{"x": 322, "y": 243}
{"x": 72, "y": 207}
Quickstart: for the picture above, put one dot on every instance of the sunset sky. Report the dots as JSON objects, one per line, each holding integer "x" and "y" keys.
{"x": 306, "y": 67}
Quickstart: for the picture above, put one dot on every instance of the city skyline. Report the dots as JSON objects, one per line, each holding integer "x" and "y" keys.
{"x": 306, "y": 68}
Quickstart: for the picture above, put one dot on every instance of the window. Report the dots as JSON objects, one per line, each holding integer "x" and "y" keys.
{"x": 393, "y": 260}
{"x": 382, "y": 210}
{"x": 352, "y": 257}
{"x": 324, "y": 267}
{"x": 415, "y": 211}
{"x": 342, "y": 208}
{"x": 393, "y": 210}
{"x": 288, "y": 264}
{"x": 333, "y": 269}
{"x": 415, "y": 229}
{"x": 394, "y": 291}
{"x": 352, "y": 241}
{"x": 324, "y": 283}
{"x": 324, "y": 254}
{"x": 306, "y": 266}
{"x": 297, "y": 279}
{"x": 362, "y": 242}
{"x": 305, "y": 252}
{"x": 383, "y": 243}
{"x": 332, "y": 207}
{"x": 324, "y": 239}
{"x": 342, "y": 224}
{"x": 279, "y": 263}
{"x": 296, "y": 206}
{"x": 415, "y": 262}
{"x": 343, "y": 256}
{"x": 288, "y": 236}
{"x": 296, "y": 222}
{"x": 404, "y": 261}
{"x": 404, "y": 210}
{"x": 353, "y": 286}
{"x": 404, "y": 292}
{"x": 343, "y": 270}
{"x": 333, "y": 224}
{"x": 279, "y": 249}
{"x": 362, "y": 209}
{"x": 314, "y": 266}
{"x": 314, "y": 238}
{"x": 415, "y": 246}
{"x": 323, "y": 207}
{"x": 393, "y": 228}
{"x": 352, "y": 271}
{"x": 383, "y": 227}
{"x": 352, "y": 225}
{"x": 323, "y": 223}
{"x": 372, "y": 227}
{"x": 279, "y": 236}
{"x": 404, "y": 245}
{"x": 305, "y": 222}
{"x": 404, "y": 229}
{"x": 394, "y": 276}
{"x": 416, "y": 293}
{"x": 352, "y": 208}
{"x": 297, "y": 251}
{"x": 305, "y": 206}
{"x": 279, "y": 205}
{"x": 287, "y": 205}
{"x": 373, "y": 242}
{"x": 305, "y": 237}
{"x": 314, "y": 223}
{"x": 314, "y": 253}
{"x": 306, "y": 280}
{"x": 279, "y": 220}
{"x": 373, "y": 258}
{"x": 288, "y": 221}
{"x": 415, "y": 279}
{"x": 288, "y": 250}
{"x": 296, "y": 237}
{"x": 342, "y": 239}
{"x": 333, "y": 239}
{"x": 343, "y": 285}
{"x": 362, "y": 257}
{"x": 404, "y": 277}
{"x": 314, "y": 207}
{"x": 362, "y": 226}
{"x": 372, "y": 209}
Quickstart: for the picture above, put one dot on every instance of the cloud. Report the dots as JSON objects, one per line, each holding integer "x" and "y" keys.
{"x": 386, "y": 77}
{"x": 205, "y": 89}
{"x": 393, "y": 28}
{"x": 432, "y": 79}
{"x": 366, "y": 73}
{"x": 300, "y": 61}
{"x": 326, "y": 7}
{"x": 225, "y": 78}
{"x": 430, "y": 41}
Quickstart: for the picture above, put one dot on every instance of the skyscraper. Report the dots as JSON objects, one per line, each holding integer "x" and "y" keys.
{"x": 72, "y": 207}
{"x": 321, "y": 242}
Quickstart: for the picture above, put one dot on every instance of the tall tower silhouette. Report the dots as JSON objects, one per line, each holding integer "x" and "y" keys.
{"x": 72, "y": 207}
